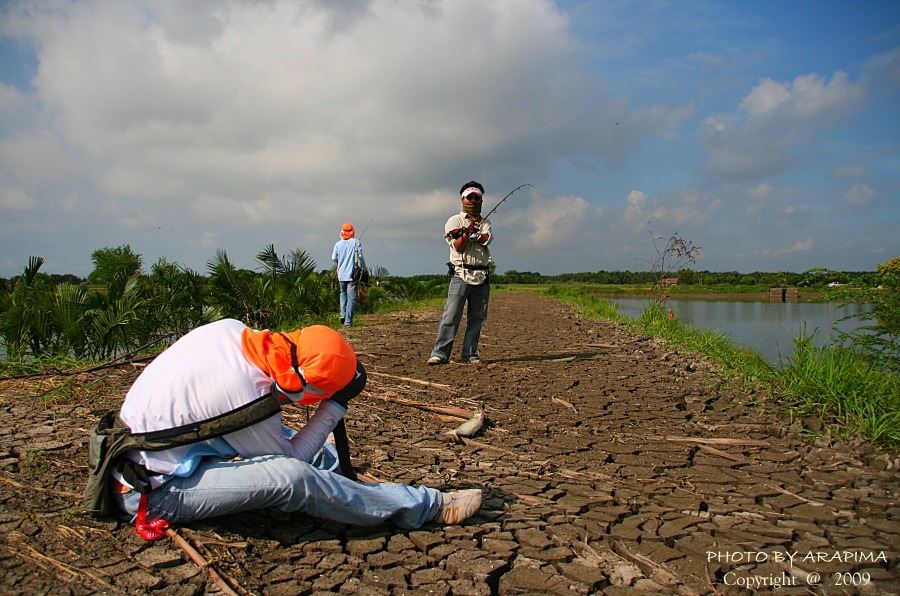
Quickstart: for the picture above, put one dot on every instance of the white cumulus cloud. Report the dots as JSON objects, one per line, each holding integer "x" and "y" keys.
{"x": 860, "y": 195}
{"x": 555, "y": 222}
{"x": 777, "y": 125}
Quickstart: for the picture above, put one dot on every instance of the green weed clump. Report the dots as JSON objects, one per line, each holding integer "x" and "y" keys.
{"x": 844, "y": 386}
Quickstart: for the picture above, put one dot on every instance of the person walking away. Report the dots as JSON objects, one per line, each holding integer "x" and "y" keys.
{"x": 468, "y": 236}
{"x": 223, "y": 366}
{"x": 347, "y": 253}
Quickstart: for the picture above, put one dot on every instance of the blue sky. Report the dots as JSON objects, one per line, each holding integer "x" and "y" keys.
{"x": 766, "y": 132}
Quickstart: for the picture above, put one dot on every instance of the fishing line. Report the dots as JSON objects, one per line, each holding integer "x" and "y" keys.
{"x": 366, "y": 228}
{"x": 506, "y": 197}
{"x": 516, "y": 259}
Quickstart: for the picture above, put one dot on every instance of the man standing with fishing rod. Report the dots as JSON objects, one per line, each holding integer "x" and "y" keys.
{"x": 468, "y": 234}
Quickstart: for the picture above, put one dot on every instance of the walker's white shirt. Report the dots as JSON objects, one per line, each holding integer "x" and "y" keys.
{"x": 202, "y": 375}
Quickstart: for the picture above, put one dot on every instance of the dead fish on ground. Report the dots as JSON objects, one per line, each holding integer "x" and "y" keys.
{"x": 468, "y": 428}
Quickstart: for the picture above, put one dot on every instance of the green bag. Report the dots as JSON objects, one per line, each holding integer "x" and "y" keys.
{"x": 111, "y": 438}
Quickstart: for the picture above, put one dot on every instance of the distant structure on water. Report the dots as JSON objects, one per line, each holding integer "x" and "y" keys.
{"x": 784, "y": 295}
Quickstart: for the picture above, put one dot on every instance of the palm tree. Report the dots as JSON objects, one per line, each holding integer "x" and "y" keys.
{"x": 409, "y": 290}
{"x": 291, "y": 290}
{"x": 68, "y": 307}
{"x": 24, "y": 321}
{"x": 177, "y": 300}
{"x": 284, "y": 292}
{"x": 232, "y": 291}
{"x": 116, "y": 323}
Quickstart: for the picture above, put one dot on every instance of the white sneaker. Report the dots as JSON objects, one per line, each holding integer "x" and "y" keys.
{"x": 435, "y": 360}
{"x": 458, "y": 506}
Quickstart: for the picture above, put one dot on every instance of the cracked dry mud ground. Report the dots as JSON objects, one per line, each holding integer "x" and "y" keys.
{"x": 610, "y": 464}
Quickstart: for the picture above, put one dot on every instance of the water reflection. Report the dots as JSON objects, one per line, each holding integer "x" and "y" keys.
{"x": 768, "y": 327}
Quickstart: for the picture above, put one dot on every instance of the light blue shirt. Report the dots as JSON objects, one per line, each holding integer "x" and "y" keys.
{"x": 217, "y": 447}
{"x": 343, "y": 256}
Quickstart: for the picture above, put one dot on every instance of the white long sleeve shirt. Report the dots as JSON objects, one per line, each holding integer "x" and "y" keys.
{"x": 206, "y": 374}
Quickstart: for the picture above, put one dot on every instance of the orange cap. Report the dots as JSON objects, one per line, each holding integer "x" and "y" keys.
{"x": 325, "y": 359}
{"x": 347, "y": 231}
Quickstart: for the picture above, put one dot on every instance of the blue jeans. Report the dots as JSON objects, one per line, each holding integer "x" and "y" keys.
{"x": 458, "y": 295}
{"x": 222, "y": 487}
{"x": 348, "y": 301}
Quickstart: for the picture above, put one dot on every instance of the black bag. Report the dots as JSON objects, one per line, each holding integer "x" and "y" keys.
{"x": 111, "y": 438}
{"x": 360, "y": 274}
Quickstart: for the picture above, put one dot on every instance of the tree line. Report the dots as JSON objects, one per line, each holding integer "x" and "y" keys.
{"x": 816, "y": 278}
{"x": 120, "y": 308}
{"x": 689, "y": 277}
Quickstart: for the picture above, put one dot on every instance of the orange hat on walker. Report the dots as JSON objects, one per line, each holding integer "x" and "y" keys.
{"x": 347, "y": 231}
{"x": 323, "y": 359}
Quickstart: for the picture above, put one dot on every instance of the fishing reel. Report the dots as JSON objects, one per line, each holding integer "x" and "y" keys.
{"x": 470, "y": 231}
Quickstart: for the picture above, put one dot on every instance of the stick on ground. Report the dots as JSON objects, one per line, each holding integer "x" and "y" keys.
{"x": 749, "y": 442}
{"x": 411, "y": 380}
{"x": 201, "y": 562}
{"x": 58, "y": 493}
{"x": 448, "y": 410}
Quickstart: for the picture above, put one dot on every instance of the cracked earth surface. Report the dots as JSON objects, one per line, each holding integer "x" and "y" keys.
{"x": 611, "y": 464}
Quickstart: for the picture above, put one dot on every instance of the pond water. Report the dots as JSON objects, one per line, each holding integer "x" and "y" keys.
{"x": 768, "y": 327}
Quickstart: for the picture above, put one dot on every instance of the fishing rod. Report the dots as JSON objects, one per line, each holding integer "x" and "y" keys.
{"x": 366, "y": 228}
{"x": 504, "y": 198}
{"x": 457, "y": 233}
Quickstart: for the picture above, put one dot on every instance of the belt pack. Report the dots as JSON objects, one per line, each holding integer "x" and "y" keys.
{"x": 451, "y": 269}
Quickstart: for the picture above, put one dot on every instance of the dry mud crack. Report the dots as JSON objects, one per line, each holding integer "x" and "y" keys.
{"x": 611, "y": 464}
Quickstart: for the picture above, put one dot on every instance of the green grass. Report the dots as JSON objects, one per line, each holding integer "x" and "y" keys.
{"x": 844, "y": 387}
{"x": 838, "y": 383}
{"x": 589, "y": 305}
{"x": 46, "y": 363}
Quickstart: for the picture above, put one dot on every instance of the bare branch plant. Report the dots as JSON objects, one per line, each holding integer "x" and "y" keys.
{"x": 675, "y": 254}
